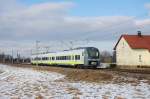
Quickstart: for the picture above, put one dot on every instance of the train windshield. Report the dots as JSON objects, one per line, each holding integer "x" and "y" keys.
{"x": 93, "y": 53}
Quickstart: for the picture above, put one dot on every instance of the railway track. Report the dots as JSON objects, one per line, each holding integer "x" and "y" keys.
{"x": 142, "y": 71}
{"x": 126, "y": 70}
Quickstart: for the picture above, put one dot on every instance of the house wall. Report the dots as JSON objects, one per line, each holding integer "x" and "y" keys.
{"x": 126, "y": 56}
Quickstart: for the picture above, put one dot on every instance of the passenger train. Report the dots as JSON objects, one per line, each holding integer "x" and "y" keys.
{"x": 83, "y": 56}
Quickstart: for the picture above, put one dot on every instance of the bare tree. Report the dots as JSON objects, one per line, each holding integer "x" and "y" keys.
{"x": 106, "y": 57}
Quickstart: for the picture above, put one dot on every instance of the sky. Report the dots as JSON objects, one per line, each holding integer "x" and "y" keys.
{"x": 62, "y": 24}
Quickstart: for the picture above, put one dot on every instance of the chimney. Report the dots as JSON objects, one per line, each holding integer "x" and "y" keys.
{"x": 139, "y": 33}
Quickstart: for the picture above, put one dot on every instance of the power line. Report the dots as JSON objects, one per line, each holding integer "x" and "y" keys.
{"x": 111, "y": 26}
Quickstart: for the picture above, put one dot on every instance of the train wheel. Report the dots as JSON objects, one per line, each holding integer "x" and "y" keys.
{"x": 94, "y": 67}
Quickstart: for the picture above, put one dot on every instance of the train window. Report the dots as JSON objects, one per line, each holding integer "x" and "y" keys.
{"x": 77, "y": 57}
{"x": 44, "y": 58}
{"x": 72, "y": 57}
{"x": 68, "y": 57}
{"x": 35, "y": 58}
{"x": 38, "y": 58}
{"x": 53, "y": 58}
{"x": 65, "y": 57}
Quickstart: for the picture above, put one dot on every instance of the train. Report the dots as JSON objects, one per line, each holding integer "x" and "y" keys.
{"x": 81, "y": 56}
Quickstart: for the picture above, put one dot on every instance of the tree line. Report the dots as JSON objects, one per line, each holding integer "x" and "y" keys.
{"x": 105, "y": 57}
{"x": 6, "y": 58}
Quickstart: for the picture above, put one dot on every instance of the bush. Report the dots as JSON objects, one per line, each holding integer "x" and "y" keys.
{"x": 113, "y": 65}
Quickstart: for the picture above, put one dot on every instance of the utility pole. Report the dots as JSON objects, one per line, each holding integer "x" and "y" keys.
{"x": 37, "y": 46}
{"x": 47, "y": 49}
{"x": 71, "y": 43}
{"x": 3, "y": 57}
{"x": 0, "y": 56}
{"x": 12, "y": 57}
{"x": 18, "y": 57}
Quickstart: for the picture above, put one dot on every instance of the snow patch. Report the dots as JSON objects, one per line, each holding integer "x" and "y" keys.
{"x": 26, "y": 83}
{"x": 111, "y": 91}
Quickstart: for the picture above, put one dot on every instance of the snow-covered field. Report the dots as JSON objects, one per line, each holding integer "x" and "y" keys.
{"x": 26, "y": 83}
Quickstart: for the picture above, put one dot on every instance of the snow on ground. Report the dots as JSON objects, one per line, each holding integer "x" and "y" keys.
{"x": 30, "y": 84}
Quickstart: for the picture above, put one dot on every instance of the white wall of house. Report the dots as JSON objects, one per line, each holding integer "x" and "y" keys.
{"x": 126, "y": 56}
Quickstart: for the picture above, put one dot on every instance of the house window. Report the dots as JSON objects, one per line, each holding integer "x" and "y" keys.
{"x": 140, "y": 58}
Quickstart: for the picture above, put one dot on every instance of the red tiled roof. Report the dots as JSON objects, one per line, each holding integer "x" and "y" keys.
{"x": 137, "y": 42}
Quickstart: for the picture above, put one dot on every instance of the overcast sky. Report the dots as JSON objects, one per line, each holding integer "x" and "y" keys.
{"x": 60, "y": 24}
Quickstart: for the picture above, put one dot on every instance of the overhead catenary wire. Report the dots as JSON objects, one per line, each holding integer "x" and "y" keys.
{"x": 108, "y": 27}
{"x": 91, "y": 34}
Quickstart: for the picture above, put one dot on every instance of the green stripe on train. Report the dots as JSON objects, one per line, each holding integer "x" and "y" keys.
{"x": 65, "y": 63}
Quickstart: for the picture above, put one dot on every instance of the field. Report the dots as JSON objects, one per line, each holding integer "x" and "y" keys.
{"x": 43, "y": 82}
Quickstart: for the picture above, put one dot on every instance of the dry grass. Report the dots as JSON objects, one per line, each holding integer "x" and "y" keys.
{"x": 90, "y": 75}
{"x": 73, "y": 74}
{"x": 39, "y": 96}
{"x": 73, "y": 91}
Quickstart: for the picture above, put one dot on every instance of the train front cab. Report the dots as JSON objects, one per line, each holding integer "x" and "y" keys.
{"x": 92, "y": 57}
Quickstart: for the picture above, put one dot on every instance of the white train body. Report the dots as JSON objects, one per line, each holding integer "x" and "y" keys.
{"x": 86, "y": 56}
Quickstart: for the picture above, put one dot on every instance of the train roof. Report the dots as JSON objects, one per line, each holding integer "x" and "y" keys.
{"x": 84, "y": 47}
{"x": 78, "y": 48}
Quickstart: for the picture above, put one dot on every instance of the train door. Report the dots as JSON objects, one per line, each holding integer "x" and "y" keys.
{"x": 85, "y": 57}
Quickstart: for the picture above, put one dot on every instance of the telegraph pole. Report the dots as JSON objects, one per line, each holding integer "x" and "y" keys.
{"x": 3, "y": 57}
{"x": 12, "y": 57}
{"x": 18, "y": 57}
{"x": 71, "y": 43}
{"x": 47, "y": 49}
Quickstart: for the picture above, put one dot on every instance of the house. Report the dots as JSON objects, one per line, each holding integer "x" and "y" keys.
{"x": 133, "y": 51}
